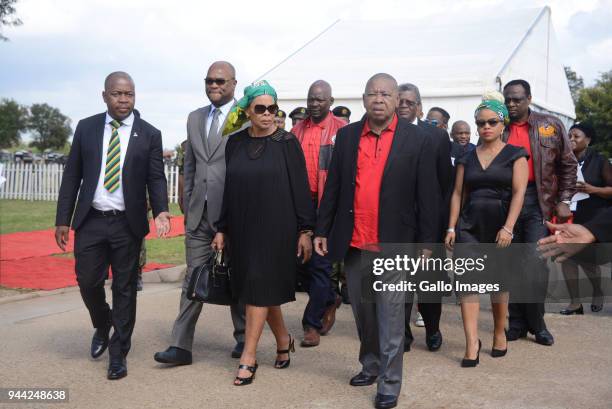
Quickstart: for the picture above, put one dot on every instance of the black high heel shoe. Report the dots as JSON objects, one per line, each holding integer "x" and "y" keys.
{"x": 249, "y": 380}
{"x": 577, "y": 311}
{"x": 278, "y": 364}
{"x": 498, "y": 353}
{"x": 471, "y": 363}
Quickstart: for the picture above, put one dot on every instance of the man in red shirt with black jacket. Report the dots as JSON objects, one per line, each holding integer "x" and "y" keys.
{"x": 378, "y": 192}
{"x": 552, "y": 183}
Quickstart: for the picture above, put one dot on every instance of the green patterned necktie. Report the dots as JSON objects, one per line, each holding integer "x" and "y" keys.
{"x": 112, "y": 173}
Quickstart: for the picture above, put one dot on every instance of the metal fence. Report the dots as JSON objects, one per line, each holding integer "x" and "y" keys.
{"x": 42, "y": 181}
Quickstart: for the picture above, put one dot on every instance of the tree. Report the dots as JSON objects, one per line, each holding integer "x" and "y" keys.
{"x": 595, "y": 107}
{"x": 50, "y": 128}
{"x": 575, "y": 83}
{"x": 13, "y": 121}
{"x": 7, "y": 9}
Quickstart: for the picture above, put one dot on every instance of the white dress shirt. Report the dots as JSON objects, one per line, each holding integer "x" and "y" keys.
{"x": 225, "y": 109}
{"x": 103, "y": 199}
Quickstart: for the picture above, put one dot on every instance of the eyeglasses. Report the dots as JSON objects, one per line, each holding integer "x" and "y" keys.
{"x": 408, "y": 103}
{"x": 433, "y": 122}
{"x": 218, "y": 81}
{"x": 491, "y": 122}
{"x": 261, "y": 109}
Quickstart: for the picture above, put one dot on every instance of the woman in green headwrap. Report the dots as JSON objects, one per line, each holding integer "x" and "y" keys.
{"x": 487, "y": 199}
{"x": 266, "y": 220}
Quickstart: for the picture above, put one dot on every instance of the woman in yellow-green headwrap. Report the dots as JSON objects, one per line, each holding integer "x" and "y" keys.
{"x": 488, "y": 196}
{"x": 266, "y": 220}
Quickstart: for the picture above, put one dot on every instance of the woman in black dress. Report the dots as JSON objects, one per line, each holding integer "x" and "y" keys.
{"x": 489, "y": 192}
{"x": 597, "y": 173}
{"x": 266, "y": 220}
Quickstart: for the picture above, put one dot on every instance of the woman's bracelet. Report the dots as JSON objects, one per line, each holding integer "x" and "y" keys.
{"x": 507, "y": 230}
{"x": 450, "y": 230}
{"x": 309, "y": 233}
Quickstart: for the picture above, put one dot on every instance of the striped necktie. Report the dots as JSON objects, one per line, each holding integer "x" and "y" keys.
{"x": 112, "y": 172}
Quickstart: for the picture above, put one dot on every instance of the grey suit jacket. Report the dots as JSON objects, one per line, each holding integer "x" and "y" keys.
{"x": 204, "y": 171}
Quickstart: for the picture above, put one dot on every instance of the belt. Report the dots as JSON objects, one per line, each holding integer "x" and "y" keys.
{"x": 107, "y": 213}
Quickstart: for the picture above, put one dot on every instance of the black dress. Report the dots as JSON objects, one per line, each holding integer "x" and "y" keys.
{"x": 484, "y": 212}
{"x": 595, "y": 168}
{"x": 266, "y": 203}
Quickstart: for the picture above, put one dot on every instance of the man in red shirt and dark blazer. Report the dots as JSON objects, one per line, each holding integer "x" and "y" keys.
{"x": 378, "y": 190}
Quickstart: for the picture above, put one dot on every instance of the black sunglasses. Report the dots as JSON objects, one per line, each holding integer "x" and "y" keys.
{"x": 218, "y": 81}
{"x": 492, "y": 122}
{"x": 260, "y": 109}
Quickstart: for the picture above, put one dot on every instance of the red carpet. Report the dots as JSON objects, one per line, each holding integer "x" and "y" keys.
{"x": 16, "y": 246}
{"x": 45, "y": 273}
{"x": 26, "y": 261}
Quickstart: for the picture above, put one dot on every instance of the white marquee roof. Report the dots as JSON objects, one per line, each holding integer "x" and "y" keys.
{"x": 446, "y": 57}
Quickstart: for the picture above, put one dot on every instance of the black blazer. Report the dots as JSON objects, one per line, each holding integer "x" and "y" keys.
{"x": 409, "y": 201}
{"x": 444, "y": 171}
{"x": 143, "y": 170}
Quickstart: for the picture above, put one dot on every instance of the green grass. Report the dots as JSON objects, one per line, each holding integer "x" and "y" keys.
{"x": 166, "y": 251}
{"x": 25, "y": 215}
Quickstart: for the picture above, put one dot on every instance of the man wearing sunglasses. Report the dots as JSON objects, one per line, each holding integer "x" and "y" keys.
{"x": 430, "y": 306}
{"x": 438, "y": 117}
{"x": 317, "y": 135}
{"x": 552, "y": 183}
{"x": 204, "y": 178}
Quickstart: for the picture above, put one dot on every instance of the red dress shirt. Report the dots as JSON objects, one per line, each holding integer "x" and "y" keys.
{"x": 372, "y": 156}
{"x": 519, "y": 136}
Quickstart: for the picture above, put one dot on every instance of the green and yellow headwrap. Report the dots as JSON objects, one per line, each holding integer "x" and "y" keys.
{"x": 494, "y": 101}
{"x": 237, "y": 116}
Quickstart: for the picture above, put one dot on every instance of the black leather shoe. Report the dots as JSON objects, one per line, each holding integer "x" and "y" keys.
{"x": 434, "y": 342}
{"x": 385, "y": 401}
{"x": 237, "y": 351}
{"x": 577, "y": 311}
{"x": 512, "y": 334}
{"x": 596, "y": 307}
{"x": 362, "y": 379}
{"x": 544, "y": 338}
{"x": 174, "y": 356}
{"x": 117, "y": 368}
{"x": 408, "y": 344}
{"x": 99, "y": 342}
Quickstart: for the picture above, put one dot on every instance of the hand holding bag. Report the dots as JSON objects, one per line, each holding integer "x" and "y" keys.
{"x": 210, "y": 282}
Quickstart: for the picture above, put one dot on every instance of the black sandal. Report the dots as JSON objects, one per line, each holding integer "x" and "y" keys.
{"x": 249, "y": 380}
{"x": 278, "y": 364}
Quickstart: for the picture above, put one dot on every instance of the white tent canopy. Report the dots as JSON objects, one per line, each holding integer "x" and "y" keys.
{"x": 452, "y": 60}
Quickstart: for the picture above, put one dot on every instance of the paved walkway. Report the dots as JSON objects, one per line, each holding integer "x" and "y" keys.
{"x": 45, "y": 342}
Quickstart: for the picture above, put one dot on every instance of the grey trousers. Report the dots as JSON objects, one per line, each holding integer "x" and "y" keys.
{"x": 380, "y": 322}
{"x": 198, "y": 250}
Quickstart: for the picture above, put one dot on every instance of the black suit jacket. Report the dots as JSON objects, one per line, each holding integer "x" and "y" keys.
{"x": 142, "y": 170}
{"x": 408, "y": 206}
{"x": 444, "y": 171}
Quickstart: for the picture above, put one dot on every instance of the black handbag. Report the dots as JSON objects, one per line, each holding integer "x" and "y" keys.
{"x": 210, "y": 282}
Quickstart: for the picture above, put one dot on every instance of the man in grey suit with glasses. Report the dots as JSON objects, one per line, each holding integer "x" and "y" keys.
{"x": 204, "y": 173}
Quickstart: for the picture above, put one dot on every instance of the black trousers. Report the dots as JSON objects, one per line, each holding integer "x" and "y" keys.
{"x": 530, "y": 228}
{"x": 100, "y": 242}
{"x": 430, "y": 303}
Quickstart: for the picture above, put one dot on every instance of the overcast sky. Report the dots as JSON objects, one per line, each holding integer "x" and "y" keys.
{"x": 64, "y": 49}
